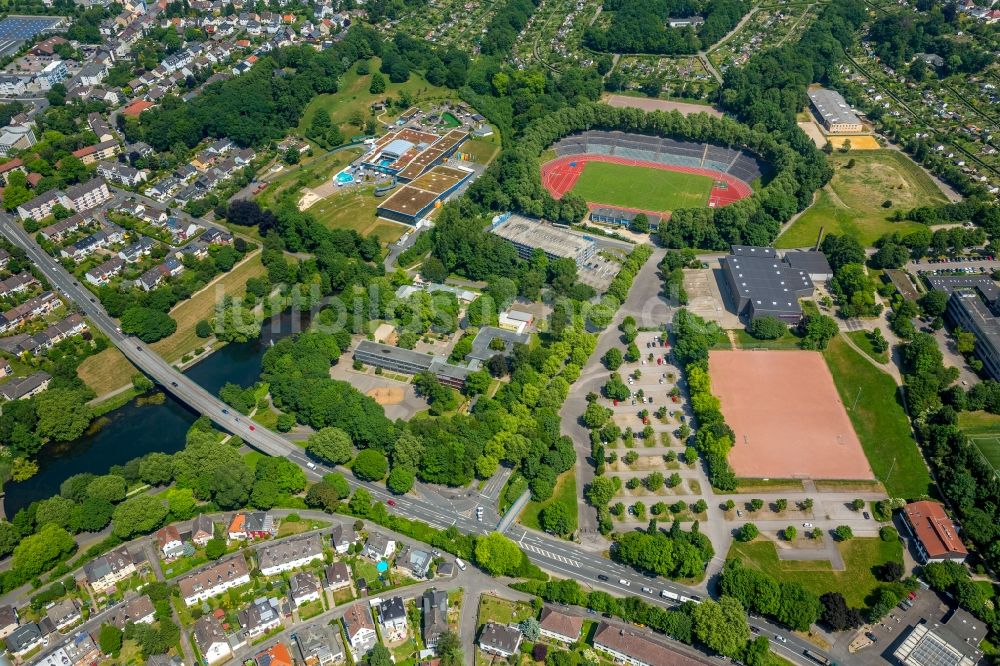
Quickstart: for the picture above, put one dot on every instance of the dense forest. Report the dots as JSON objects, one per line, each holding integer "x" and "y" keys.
{"x": 641, "y": 26}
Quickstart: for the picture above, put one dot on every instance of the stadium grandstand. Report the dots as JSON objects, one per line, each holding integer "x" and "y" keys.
{"x": 671, "y": 152}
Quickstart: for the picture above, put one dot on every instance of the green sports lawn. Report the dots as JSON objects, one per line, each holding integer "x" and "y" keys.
{"x": 983, "y": 430}
{"x": 641, "y": 187}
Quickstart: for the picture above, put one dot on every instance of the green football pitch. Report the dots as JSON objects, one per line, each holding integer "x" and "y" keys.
{"x": 641, "y": 187}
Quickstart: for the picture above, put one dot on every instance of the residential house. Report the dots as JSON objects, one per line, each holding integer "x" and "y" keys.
{"x": 138, "y": 610}
{"x": 64, "y": 614}
{"x": 379, "y": 547}
{"x": 214, "y": 580}
{"x": 25, "y": 387}
{"x": 343, "y": 538}
{"x": 40, "y": 305}
{"x": 82, "y": 650}
{"x": 10, "y": 167}
{"x": 337, "y": 576}
{"x": 13, "y": 85}
{"x": 498, "y": 639}
{"x": 289, "y": 554}
{"x": 121, "y": 173}
{"x": 24, "y": 639}
{"x": 202, "y": 529}
{"x": 58, "y": 231}
{"x": 16, "y": 284}
{"x": 211, "y": 639}
{"x": 103, "y": 573}
{"x": 97, "y": 152}
{"x": 99, "y": 127}
{"x": 360, "y": 629}
{"x": 560, "y": 626}
{"x": 215, "y": 236}
{"x": 260, "y": 617}
{"x": 256, "y": 525}
{"x": 319, "y": 645}
{"x": 419, "y": 562}
{"x": 434, "y": 616}
{"x": 41, "y": 206}
{"x": 304, "y": 587}
{"x": 88, "y": 195}
{"x": 392, "y": 617}
{"x": 5, "y": 371}
{"x": 625, "y": 646}
{"x": 169, "y": 540}
{"x": 102, "y": 273}
{"x": 151, "y": 279}
{"x": 8, "y": 620}
{"x": 276, "y": 655}
{"x": 137, "y": 250}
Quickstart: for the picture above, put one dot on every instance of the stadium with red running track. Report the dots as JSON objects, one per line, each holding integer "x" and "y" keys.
{"x": 730, "y": 169}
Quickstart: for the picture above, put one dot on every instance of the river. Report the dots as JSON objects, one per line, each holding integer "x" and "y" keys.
{"x": 139, "y": 427}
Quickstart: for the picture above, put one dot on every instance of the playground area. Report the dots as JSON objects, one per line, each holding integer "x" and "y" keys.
{"x": 786, "y": 414}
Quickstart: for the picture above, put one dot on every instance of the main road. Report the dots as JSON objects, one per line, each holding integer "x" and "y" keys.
{"x": 556, "y": 555}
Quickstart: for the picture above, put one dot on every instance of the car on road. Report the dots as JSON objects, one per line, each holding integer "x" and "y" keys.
{"x": 622, "y": 581}
{"x": 311, "y": 465}
{"x": 479, "y": 513}
{"x": 865, "y": 514}
{"x": 602, "y": 577}
{"x": 391, "y": 502}
{"x": 807, "y": 524}
{"x": 173, "y": 384}
{"x": 252, "y": 428}
{"x": 225, "y": 411}
{"x": 138, "y": 348}
{"x": 647, "y": 590}
{"x": 779, "y": 637}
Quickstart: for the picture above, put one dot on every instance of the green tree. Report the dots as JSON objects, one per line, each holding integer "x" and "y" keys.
{"x": 181, "y": 503}
{"x": 286, "y": 476}
{"x": 790, "y": 533}
{"x": 556, "y": 519}
{"x": 110, "y": 639}
{"x": 767, "y": 328}
{"x": 370, "y": 465}
{"x": 109, "y": 487}
{"x": 203, "y": 329}
{"x": 215, "y": 548}
{"x": 56, "y": 510}
{"x": 141, "y": 383}
{"x": 817, "y": 331}
{"x": 40, "y": 551}
{"x": 497, "y": 555}
{"x": 449, "y": 649}
{"x": 147, "y": 324}
{"x": 747, "y": 532}
{"x": 612, "y": 359}
{"x": 722, "y": 626}
{"x": 407, "y": 451}
{"x": 639, "y": 224}
{"x": 156, "y": 469}
{"x": 63, "y": 414}
{"x": 331, "y": 445}
{"x": 377, "y": 86}
{"x": 843, "y": 533}
{"x": 400, "y": 480}
{"x": 138, "y": 515}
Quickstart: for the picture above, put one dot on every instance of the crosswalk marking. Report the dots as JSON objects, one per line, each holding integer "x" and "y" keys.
{"x": 550, "y": 555}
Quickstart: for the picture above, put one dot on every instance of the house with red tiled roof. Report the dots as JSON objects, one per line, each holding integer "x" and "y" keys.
{"x": 135, "y": 108}
{"x": 934, "y": 532}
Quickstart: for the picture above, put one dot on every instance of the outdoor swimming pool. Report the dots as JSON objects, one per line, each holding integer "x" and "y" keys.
{"x": 343, "y": 178}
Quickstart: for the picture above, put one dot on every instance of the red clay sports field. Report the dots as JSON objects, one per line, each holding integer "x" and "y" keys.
{"x": 560, "y": 175}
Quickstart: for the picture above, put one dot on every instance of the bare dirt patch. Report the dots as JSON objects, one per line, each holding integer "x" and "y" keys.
{"x": 387, "y": 395}
{"x": 787, "y": 416}
{"x": 647, "y": 104}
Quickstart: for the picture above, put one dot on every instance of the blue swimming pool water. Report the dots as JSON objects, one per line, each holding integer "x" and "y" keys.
{"x": 344, "y": 178}
{"x": 382, "y": 566}
{"x": 385, "y": 163}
